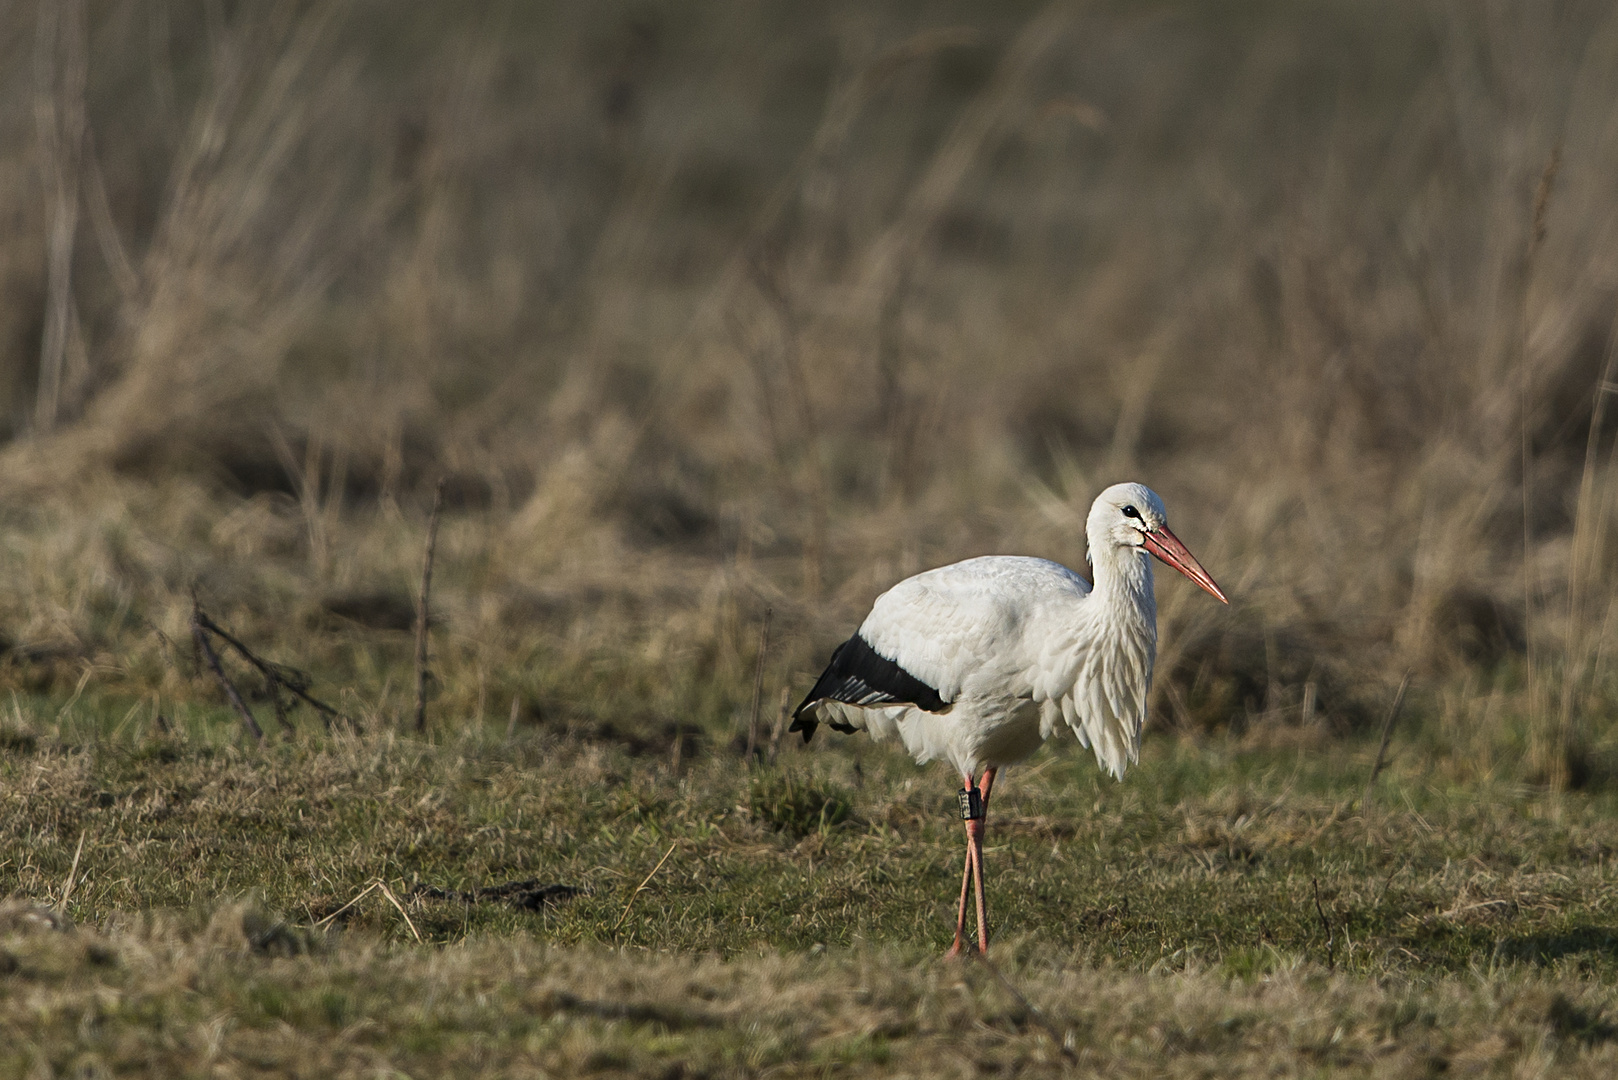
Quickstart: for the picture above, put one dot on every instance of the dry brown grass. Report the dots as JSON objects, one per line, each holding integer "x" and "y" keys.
{"x": 704, "y": 310}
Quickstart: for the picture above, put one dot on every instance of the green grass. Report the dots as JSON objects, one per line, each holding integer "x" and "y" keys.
{"x": 1229, "y": 907}
{"x": 1168, "y": 923}
{"x": 1232, "y": 855}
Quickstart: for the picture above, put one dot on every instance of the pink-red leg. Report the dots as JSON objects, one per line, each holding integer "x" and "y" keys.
{"x": 960, "y": 913}
{"x": 977, "y": 862}
{"x": 972, "y": 872}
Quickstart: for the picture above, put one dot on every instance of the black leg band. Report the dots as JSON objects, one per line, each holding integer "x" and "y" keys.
{"x": 971, "y": 801}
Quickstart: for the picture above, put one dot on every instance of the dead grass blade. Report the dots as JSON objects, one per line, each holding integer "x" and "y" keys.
{"x": 394, "y": 900}
{"x": 376, "y": 885}
{"x": 643, "y": 885}
{"x": 72, "y": 875}
{"x": 361, "y": 895}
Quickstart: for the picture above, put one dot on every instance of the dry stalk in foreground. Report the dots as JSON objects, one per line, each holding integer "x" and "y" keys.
{"x": 422, "y": 674}
{"x": 758, "y": 686}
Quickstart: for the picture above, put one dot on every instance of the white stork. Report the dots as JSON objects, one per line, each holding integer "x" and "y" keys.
{"x": 978, "y": 662}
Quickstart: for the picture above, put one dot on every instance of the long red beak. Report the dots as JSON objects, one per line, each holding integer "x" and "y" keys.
{"x": 1166, "y": 546}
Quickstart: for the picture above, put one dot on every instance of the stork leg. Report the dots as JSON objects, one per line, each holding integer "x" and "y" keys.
{"x": 966, "y": 885}
{"x": 972, "y": 872}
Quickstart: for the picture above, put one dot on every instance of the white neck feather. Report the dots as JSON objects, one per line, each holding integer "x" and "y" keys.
{"x": 1123, "y": 579}
{"x": 1113, "y": 656}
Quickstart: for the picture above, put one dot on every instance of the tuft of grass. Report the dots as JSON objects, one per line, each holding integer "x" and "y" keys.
{"x": 797, "y": 804}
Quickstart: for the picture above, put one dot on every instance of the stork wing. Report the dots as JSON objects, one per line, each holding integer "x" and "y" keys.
{"x": 967, "y": 620}
{"x": 930, "y": 634}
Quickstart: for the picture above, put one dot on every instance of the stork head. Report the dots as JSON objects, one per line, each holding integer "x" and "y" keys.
{"x": 1132, "y": 516}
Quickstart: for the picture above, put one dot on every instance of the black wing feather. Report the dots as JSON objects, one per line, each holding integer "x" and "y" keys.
{"x": 859, "y": 675}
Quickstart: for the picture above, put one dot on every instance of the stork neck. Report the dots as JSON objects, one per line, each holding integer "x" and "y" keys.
{"x": 1123, "y": 576}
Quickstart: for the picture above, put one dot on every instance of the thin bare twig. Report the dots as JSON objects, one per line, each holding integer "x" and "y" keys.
{"x": 276, "y": 676}
{"x": 199, "y": 634}
{"x": 758, "y": 686}
{"x": 1331, "y": 934}
{"x": 643, "y": 885}
{"x": 421, "y": 608}
{"x": 1387, "y": 734}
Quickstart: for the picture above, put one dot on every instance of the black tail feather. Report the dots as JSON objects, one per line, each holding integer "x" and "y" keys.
{"x": 859, "y": 675}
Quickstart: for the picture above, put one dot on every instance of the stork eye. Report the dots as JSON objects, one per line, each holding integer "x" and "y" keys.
{"x": 1130, "y": 511}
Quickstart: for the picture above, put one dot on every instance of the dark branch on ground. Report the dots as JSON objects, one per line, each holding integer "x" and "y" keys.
{"x": 277, "y": 677}
{"x": 199, "y": 634}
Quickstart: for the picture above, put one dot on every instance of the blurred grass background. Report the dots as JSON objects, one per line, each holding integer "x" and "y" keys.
{"x": 703, "y": 309}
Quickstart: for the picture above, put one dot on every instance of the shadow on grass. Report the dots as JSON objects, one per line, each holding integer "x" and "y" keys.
{"x": 1596, "y": 943}
{"x": 672, "y": 1018}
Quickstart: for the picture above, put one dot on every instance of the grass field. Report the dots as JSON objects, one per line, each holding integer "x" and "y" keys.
{"x": 1233, "y": 906}
{"x": 710, "y": 314}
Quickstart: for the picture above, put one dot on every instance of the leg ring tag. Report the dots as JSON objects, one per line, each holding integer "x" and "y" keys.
{"x": 971, "y": 802}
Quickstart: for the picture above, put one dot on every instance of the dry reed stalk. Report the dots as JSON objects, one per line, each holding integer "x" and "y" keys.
{"x": 422, "y": 674}
{"x": 1548, "y": 750}
{"x": 769, "y": 284}
{"x": 113, "y": 252}
{"x": 1590, "y": 523}
{"x": 887, "y": 256}
{"x": 60, "y": 117}
{"x": 758, "y": 687}
{"x": 896, "y": 412}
